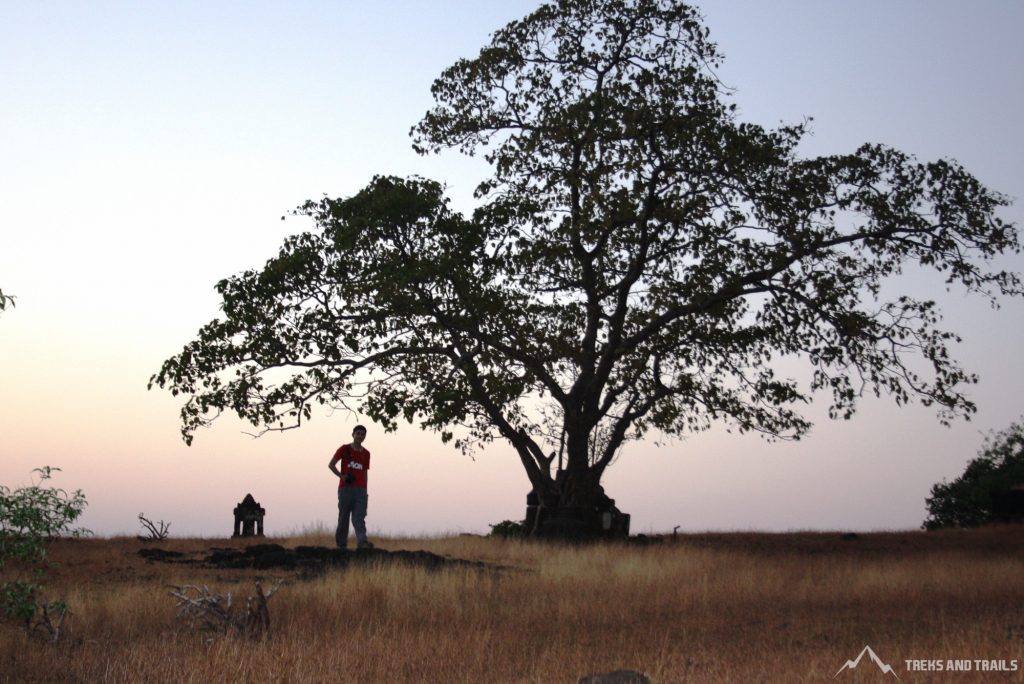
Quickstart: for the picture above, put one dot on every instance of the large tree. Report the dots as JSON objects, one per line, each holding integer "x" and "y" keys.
{"x": 638, "y": 260}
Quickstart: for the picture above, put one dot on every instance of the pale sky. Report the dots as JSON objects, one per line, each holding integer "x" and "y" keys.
{"x": 148, "y": 150}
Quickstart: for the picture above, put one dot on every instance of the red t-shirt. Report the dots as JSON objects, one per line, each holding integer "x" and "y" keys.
{"x": 354, "y": 462}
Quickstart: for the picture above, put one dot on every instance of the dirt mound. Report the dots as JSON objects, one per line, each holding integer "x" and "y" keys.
{"x": 307, "y": 558}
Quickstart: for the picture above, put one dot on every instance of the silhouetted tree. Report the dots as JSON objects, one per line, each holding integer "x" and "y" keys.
{"x": 638, "y": 260}
{"x": 973, "y": 498}
{"x": 5, "y": 300}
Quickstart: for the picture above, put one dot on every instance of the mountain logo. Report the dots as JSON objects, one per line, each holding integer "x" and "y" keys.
{"x": 852, "y": 664}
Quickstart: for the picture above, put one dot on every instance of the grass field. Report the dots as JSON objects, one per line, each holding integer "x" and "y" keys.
{"x": 738, "y": 607}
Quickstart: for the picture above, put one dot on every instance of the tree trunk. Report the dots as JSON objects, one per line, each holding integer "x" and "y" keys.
{"x": 575, "y": 507}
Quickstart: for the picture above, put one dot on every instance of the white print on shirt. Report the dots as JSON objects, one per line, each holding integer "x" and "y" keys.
{"x": 353, "y": 465}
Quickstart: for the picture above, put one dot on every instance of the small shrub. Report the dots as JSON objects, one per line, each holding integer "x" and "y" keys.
{"x": 31, "y": 517}
{"x": 508, "y": 529}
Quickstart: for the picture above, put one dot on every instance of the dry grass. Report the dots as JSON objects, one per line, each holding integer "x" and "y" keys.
{"x": 703, "y": 608}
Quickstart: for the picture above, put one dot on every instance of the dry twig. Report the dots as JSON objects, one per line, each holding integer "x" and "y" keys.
{"x": 51, "y": 620}
{"x": 157, "y": 531}
{"x": 217, "y": 613}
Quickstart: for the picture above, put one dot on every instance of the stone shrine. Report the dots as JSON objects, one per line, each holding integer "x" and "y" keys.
{"x": 249, "y": 518}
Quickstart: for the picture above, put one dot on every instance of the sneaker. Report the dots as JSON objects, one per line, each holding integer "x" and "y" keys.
{"x": 365, "y": 545}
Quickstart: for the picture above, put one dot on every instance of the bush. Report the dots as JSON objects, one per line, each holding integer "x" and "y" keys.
{"x": 31, "y": 517}
{"x": 971, "y": 499}
{"x": 508, "y": 529}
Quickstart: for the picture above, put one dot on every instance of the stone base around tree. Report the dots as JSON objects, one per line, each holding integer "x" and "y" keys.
{"x": 574, "y": 522}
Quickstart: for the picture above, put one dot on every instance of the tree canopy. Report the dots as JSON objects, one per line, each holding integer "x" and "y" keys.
{"x": 5, "y": 300}
{"x": 639, "y": 260}
{"x": 974, "y": 498}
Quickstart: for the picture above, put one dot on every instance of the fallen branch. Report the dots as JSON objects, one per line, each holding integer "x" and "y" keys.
{"x": 50, "y": 620}
{"x": 217, "y": 613}
{"x": 157, "y": 531}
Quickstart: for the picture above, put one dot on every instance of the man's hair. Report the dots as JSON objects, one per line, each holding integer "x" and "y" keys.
{"x": 358, "y": 428}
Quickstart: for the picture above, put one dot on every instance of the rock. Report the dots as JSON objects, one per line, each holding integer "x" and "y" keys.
{"x": 160, "y": 555}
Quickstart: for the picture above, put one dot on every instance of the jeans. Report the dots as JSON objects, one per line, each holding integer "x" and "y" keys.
{"x": 352, "y": 501}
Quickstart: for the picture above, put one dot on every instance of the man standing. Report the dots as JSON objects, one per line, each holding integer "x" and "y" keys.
{"x": 350, "y": 463}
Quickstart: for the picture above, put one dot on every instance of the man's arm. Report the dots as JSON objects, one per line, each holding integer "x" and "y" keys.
{"x": 333, "y": 465}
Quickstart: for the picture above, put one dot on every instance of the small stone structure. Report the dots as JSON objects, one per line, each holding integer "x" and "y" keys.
{"x": 249, "y": 518}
